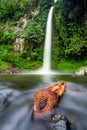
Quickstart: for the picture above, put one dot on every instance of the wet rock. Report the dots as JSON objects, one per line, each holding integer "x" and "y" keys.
{"x": 60, "y": 122}
{"x": 10, "y": 70}
{"x": 82, "y": 71}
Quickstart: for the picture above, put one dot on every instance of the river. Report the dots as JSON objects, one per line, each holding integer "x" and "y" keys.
{"x": 16, "y": 100}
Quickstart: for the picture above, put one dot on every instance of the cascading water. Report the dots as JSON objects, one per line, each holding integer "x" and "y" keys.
{"x": 47, "y": 48}
{"x": 55, "y": 1}
{"x": 46, "y": 68}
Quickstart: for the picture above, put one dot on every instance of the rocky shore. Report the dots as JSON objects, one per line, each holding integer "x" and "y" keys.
{"x": 10, "y": 70}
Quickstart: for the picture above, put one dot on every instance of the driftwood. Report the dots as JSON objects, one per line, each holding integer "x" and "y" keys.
{"x": 45, "y": 101}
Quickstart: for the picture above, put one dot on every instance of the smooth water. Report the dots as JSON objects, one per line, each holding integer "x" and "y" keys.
{"x": 16, "y": 100}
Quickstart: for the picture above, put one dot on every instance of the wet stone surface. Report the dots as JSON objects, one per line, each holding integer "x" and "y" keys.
{"x": 60, "y": 122}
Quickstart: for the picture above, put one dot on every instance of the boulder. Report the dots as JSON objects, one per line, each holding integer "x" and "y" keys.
{"x": 10, "y": 70}
{"x": 82, "y": 71}
{"x": 59, "y": 122}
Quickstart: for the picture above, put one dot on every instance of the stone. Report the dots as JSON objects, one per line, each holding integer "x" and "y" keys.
{"x": 82, "y": 71}
{"x": 60, "y": 122}
{"x": 10, "y": 70}
{"x": 18, "y": 45}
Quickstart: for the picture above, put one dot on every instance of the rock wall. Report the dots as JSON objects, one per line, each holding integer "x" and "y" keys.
{"x": 18, "y": 44}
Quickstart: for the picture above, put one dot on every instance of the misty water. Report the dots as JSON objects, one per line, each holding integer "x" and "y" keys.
{"x": 16, "y": 100}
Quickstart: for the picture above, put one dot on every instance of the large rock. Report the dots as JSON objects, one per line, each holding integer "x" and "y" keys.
{"x": 60, "y": 122}
{"x": 10, "y": 70}
{"x": 18, "y": 44}
{"x": 82, "y": 71}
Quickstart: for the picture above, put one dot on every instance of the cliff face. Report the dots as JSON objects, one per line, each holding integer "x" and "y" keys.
{"x": 13, "y": 24}
{"x": 22, "y": 31}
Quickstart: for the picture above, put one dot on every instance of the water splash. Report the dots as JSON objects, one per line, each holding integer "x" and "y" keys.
{"x": 42, "y": 71}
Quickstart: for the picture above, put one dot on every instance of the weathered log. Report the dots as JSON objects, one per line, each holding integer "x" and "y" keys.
{"x": 47, "y": 99}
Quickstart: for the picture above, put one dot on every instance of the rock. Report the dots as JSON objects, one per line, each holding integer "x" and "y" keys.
{"x": 10, "y": 70}
{"x": 60, "y": 122}
{"x": 18, "y": 44}
{"x": 82, "y": 71}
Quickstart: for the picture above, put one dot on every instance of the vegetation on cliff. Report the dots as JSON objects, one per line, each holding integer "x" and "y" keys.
{"x": 22, "y": 33}
{"x": 69, "y": 39}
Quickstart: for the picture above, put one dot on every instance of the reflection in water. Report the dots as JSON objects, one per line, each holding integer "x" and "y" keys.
{"x": 16, "y": 101}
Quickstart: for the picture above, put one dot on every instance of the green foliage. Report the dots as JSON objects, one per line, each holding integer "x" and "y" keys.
{"x": 34, "y": 33}
{"x": 37, "y": 54}
{"x": 11, "y": 12}
{"x": 16, "y": 8}
{"x": 6, "y": 36}
{"x": 69, "y": 33}
{"x": 70, "y": 41}
{"x": 3, "y": 52}
{"x": 69, "y": 65}
{"x": 7, "y": 58}
{"x": 45, "y": 5}
{"x": 3, "y": 65}
{"x": 34, "y": 37}
{"x": 77, "y": 41}
{"x": 71, "y": 9}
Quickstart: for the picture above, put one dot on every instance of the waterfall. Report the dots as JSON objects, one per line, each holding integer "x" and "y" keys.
{"x": 55, "y": 1}
{"x": 46, "y": 68}
{"x": 47, "y": 46}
